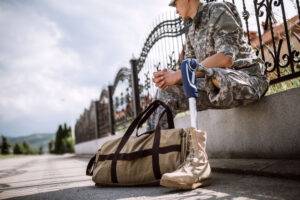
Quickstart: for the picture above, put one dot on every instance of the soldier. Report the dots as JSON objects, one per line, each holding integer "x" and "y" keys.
{"x": 216, "y": 40}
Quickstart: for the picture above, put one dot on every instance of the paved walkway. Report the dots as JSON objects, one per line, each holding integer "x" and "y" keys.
{"x": 41, "y": 174}
{"x": 63, "y": 177}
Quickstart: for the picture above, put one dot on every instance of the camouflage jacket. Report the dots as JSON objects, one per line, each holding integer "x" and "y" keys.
{"x": 216, "y": 28}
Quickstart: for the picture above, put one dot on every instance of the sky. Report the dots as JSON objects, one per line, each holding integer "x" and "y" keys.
{"x": 57, "y": 55}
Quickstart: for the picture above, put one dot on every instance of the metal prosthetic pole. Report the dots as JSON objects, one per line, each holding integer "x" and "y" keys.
{"x": 188, "y": 71}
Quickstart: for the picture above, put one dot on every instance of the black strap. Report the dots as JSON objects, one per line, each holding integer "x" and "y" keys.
{"x": 140, "y": 154}
{"x": 155, "y": 147}
{"x": 155, "y": 155}
{"x": 146, "y": 116}
{"x": 90, "y": 166}
{"x": 142, "y": 117}
{"x": 166, "y": 108}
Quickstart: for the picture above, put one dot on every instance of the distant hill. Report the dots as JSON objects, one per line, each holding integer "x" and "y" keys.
{"x": 34, "y": 140}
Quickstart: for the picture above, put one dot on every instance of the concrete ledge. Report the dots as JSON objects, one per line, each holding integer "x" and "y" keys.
{"x": 91, "y": 147}
{"x": 267, "y": 129}
{"x": 259, "y": 167}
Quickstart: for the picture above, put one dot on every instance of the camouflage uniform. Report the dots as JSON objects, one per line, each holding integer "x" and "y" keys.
{"x": 217, "y": 28}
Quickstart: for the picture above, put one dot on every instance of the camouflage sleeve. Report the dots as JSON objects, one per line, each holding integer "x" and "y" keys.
{"x": 226, "y": 30}
{"x": 188, "y": 49}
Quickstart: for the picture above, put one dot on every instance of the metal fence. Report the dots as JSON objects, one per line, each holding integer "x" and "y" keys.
{"x": 272, "y": 31}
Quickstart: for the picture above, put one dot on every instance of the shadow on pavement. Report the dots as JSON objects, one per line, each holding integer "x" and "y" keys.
{"x": 11, "y": 172}
{"x": 224, "y": 186}
{"x": 96, "y": 193}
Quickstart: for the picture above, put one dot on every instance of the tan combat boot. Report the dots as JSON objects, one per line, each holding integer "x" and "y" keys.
{"x": 195, "y": 171}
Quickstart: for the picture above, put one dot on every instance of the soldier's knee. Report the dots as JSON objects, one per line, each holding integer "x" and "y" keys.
{"x": 247, "y": 95}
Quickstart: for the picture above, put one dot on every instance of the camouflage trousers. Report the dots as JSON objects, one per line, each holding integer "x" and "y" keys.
{"x": 236, "y": 88}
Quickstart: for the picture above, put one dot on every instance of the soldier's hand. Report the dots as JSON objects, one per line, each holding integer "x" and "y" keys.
{"x": 165, "y": 78}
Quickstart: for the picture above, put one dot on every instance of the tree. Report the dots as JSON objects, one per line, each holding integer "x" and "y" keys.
{"x": 41, "y": 151}
{"x": 51, "y": 146}
{"x": 17, "y": 149}
{"x": 66, "y": 131}
{"x": 69, "y": 131}
{"x": 5, "y": 146}
{"x": 27, "y": 149}
{"x": 58, "y": 145}
{"x": 63, "y": 140}
{"x": 69, "y": 142}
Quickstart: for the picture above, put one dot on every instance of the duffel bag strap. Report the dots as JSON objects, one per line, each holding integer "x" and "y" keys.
{"x": 156, "y": 104}
{"x": 142, "y": 117}
{"x": 90, "y": 166}
{"x": 166, "y": 110}
{"x": 155, "y": 148}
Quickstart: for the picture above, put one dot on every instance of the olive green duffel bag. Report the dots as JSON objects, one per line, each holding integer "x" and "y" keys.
{"x": 140, "y": 159}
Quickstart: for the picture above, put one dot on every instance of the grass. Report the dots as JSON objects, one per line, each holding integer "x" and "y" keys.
{"x": 15, "y": 156}
{"x": 283, "y": 86}
{"x": 8, "y": 156}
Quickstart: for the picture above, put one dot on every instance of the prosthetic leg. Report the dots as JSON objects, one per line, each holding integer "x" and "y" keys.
{"x": 195, "y": 171}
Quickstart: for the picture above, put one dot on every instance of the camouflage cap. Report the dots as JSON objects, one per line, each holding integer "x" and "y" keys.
{"x": 172, "y": 3}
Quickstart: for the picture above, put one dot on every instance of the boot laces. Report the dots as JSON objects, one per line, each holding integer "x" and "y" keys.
{"x": 196, "y": 158}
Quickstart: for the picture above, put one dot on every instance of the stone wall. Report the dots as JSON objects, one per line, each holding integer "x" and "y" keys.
{"x": 267, "y": 129}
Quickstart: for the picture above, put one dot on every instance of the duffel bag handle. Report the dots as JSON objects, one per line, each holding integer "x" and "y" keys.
{"x": 90, "y": 166}
{"x": 142, "y": 117}
{"x": 150, "y": 111}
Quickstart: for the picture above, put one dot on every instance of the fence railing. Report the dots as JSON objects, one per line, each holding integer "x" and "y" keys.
{"x": 272, "y": 31}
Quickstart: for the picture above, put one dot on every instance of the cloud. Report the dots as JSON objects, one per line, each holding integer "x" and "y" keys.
{"x": 56, "y": 56}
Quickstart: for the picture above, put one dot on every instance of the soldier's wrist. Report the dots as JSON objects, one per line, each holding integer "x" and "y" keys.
{"x": 178, "y": 77}
{"x": 199, "y": 72}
